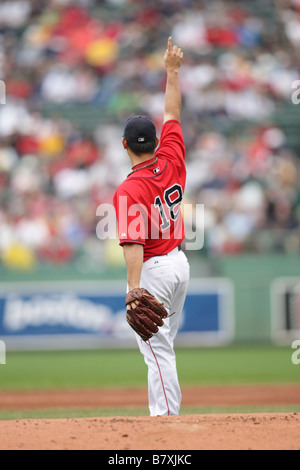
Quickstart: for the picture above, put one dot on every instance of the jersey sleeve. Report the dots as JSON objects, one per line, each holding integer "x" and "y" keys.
{"x": 131, "y": 218}
{"x": 172, "y": 145}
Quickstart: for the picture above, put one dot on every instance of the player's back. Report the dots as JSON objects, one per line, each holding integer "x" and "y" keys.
{"x": 155, "y": 191}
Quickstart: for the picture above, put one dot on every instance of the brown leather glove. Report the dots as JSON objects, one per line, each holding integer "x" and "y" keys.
{"x": 147, "y": 317}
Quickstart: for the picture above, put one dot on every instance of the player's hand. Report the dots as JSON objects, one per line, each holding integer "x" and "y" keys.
{"x": 133, "y": 305}
{"x": 173, "y": 56}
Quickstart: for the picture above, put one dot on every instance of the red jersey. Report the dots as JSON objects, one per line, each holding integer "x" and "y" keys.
{"x": 147, "y": 203}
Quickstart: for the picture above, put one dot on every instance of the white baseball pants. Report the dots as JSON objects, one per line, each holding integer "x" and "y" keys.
{"x": 166, "y": 277}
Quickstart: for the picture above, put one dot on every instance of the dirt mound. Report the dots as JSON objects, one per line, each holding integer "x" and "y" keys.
{"x": 171, "y": 433}
{"x": 272, "y": 431}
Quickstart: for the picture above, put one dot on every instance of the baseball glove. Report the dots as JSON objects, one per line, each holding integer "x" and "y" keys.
{"x": 146, "y": 318}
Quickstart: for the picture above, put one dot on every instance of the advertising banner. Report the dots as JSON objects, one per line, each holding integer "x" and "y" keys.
{"x": 68, "y": 315}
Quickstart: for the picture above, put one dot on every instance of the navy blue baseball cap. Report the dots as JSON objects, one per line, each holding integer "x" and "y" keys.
{"x": 140, "y": 130}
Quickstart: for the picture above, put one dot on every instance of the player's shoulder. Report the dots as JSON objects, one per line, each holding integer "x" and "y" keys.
{"x": 123, "y": 188}
{"x": 129, "y": 188}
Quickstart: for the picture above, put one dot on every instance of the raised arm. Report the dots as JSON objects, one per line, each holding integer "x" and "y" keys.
{"x": 173, "y": 59}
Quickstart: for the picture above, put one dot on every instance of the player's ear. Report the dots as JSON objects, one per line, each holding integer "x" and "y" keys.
{"x": 157, "y": 141}
{"x": 124, "y": 142}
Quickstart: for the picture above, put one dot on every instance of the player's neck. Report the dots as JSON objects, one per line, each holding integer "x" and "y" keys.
{"x": 136, "y": 160}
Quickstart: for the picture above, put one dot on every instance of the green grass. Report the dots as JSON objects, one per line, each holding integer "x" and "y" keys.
{"x": 238, "y": 365}
{"x": 62, "y": 413}
{"x": 72, "y": 369}
{"x": 72, "y": 413}
{"x": 126, "y": 368}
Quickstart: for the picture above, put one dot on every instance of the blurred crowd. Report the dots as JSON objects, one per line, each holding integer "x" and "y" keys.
{"x": 104, "y": 58}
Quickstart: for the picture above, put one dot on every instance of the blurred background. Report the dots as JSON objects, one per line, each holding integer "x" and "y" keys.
{"x": 74, "y": 70}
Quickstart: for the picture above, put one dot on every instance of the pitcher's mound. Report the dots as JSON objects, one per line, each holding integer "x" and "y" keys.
{"x": 197, "y": 432}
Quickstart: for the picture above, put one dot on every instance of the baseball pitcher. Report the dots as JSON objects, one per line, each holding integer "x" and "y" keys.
{"x": 151, "y": 231}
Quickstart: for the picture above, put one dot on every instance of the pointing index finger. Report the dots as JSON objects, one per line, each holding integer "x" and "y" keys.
{"x": 170, "y": 44}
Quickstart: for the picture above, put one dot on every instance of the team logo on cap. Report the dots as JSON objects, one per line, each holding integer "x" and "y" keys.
{"x": 141, "y": 139}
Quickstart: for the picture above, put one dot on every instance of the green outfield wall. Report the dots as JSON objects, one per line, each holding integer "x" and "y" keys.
{"x": 253, "y": 277}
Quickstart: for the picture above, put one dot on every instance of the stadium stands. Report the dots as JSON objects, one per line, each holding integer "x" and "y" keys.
{"x": 75, "y": 70}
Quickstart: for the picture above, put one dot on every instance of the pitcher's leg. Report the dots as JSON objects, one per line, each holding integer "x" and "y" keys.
{"x": 163, "y": 386}
{"x": 167, "y": 280}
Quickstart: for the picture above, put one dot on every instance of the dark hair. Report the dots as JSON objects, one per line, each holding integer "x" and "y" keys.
{"x": 140, "y": 149}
